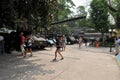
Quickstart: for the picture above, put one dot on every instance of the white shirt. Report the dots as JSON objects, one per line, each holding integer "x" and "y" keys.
{"x": 118, "y": 42}
{"x": 1, "y": 38}
{"x": 80, "y": 40}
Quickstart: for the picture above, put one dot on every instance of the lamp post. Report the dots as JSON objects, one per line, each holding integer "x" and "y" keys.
{"x": 111, "y": 31}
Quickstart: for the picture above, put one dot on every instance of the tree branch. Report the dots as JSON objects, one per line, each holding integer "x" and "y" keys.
{"x": 112, "y": 9}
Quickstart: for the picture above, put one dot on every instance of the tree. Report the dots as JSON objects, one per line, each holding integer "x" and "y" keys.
{"x": 62, "y": 12}
{"x": 99, "y": 15}
{"x": 63, "y": 9}
{"x": 36, "y": 14}
{"x": 7, "y": 13}
{"x": 81, "y": 11}
{"x": 114, "y": 10}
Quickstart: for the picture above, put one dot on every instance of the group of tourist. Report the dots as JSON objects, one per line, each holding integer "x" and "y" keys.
{"x": 25, "y": 44}
{"x": 117, "y": 44}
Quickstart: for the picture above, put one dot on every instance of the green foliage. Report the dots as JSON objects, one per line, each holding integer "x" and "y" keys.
{"x": 82, "y": 22}
{"x": 7, "y": 13}
{"x": 39, "y": 13}
{"x": 62, "y": 12}
{"x": 63, "y": 29}
{"x": 63, "y": 9}
{"x": 81, "y": 11}
{"x": 99, "y": 15}
{"x": 114, "y": 7}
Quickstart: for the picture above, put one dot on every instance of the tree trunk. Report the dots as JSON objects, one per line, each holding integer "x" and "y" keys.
{"x": 118, "y": 21}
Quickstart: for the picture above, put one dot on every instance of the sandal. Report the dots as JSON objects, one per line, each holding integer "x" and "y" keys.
{"x": 54, "y": 59}
{"x": 31, "y": 55}
{"x": 62, "y": 58}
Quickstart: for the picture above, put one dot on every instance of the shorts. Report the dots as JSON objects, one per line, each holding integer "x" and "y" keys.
{"x": 22, "y": 48}
{"x": 58, "y": 48}
{"x": 28, "y": 47}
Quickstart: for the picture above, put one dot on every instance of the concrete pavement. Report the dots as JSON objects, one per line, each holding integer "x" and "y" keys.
{"x": 86, "y": 63}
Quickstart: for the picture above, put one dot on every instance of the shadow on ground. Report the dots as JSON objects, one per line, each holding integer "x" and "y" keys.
{"x": 16, "y": 68}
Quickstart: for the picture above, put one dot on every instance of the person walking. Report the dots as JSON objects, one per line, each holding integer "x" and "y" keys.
{"x": 85, "y": 41}
{"x": 117, "y": 46}
{"x": 64, "y": 41}
{"x": 57, "y": 51}
{"x": 22, "y": 42}
{"x": 28, "y": 45}
{"x": 80, "y": 41}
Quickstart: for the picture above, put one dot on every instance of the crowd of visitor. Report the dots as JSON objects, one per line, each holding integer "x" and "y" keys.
{"x": 61, "y": 41}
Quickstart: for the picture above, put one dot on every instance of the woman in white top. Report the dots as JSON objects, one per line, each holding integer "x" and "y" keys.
{"x": 117, "y": 46}
{"x": 80, "y": 41}
{"x": 64, "y": 41}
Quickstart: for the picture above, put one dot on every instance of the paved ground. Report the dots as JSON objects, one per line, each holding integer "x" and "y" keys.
{"x": 87, "y": 63}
